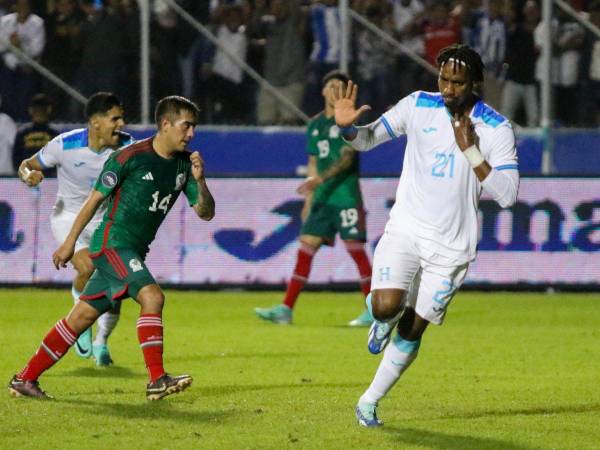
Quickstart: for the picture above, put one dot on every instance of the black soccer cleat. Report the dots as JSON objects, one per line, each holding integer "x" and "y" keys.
{"x": 26, "y": 388}
{"x": 167, "y": 385}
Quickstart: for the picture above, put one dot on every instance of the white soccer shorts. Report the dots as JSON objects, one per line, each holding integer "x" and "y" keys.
{"x": 61, "y": 224}
{"x": 398, "y": 264}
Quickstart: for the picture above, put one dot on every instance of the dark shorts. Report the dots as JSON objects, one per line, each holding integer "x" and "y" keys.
{"x": 325, "y": 221}
{"x": 120, "y": 273}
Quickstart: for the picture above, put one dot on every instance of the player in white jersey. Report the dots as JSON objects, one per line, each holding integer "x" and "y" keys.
{"x": 79, "y": 156}
{"x": 457, "y": 146}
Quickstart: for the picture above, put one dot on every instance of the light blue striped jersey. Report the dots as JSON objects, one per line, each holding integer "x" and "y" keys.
{"x": 77, "y": 166}
{"x": 438, "y": 192}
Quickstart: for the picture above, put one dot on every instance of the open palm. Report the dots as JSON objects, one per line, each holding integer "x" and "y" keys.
{"x": 344, "y": 101}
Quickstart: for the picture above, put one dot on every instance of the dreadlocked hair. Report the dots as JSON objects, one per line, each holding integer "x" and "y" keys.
{"x": 460, "y": 55}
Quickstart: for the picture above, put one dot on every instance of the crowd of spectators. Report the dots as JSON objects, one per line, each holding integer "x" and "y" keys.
{"x": 94, "y": 45}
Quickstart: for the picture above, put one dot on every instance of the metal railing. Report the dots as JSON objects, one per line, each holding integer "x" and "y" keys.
{"x": 264, "y": 84}
{"x": 43, "y": 71}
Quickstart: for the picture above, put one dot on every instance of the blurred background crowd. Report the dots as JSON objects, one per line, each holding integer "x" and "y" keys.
{"x": 95, "y": 45}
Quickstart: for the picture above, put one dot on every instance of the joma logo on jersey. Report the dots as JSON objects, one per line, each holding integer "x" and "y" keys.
{"x": 109, "y": 179}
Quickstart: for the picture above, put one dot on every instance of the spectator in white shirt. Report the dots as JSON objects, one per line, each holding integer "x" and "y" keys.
{"x": 24, "y": 30}
{"x": 229, "y": 99}
{"x": 8, "y": 131}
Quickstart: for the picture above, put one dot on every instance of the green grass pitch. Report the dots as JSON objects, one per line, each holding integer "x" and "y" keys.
{"x": 506, "y": 371}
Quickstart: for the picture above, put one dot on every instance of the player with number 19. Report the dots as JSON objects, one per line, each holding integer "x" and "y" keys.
{"x": 142, "y": 182}
{"x": 333, "y": 205}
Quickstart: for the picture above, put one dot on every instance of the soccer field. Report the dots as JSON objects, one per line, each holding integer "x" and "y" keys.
{"x": 506, "y": 371}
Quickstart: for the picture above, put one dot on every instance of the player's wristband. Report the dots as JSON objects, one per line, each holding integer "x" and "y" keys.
{"x": 25, "y": 172}
{"x": 348, "y": 131}
{"x": 474, "y": 156}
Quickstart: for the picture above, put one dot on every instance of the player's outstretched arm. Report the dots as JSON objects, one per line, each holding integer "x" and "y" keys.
{"x": 345, "y": 111}
{"x": 205, "y": 207}
{"x": 30, "y": 171}
{"x": 363, "y": 138}
{"x": 64, "y": 253}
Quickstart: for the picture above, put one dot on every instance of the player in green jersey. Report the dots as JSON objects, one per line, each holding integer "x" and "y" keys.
{"x": 333, "y": 205}
{"x": 142, "y": 182}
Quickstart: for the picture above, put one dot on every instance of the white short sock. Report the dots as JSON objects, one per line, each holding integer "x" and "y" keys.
{"x": 106, "y": 324}
{"x": 397, "y": 357}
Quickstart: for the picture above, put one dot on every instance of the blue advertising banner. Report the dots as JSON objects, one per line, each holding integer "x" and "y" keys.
{"x": 550, "y": 236}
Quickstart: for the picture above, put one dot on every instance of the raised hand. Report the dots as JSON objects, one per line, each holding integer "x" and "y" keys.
{"x": 197, "y": 166}
{"x": 344, "y": 101}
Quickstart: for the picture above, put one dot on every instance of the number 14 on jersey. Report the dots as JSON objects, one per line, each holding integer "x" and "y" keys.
{"x": 162, "y": 204}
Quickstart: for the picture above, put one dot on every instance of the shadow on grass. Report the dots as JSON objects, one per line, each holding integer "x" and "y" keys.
{"x": 162, "y": 411}
{"x": 439, "y": 440}
{"x": 237, "y": 355}
{"x": 233, "y": 389}
{"x": 533, "y": 411}
{"x": 101, "y": 372}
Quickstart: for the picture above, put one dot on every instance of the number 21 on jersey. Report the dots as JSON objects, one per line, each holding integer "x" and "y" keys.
{"x": 162, "y": 204}
{"x": 443, "y": 165}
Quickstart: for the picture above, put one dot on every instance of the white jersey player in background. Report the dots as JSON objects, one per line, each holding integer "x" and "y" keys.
{"x": 79, "y": 156}
{"x": 456, "y": 146}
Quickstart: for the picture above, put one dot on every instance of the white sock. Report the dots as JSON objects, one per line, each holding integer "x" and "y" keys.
{"x": 75, "y": 294}
{"x": 397, "y": 357}
{"x": 106, "y": 324}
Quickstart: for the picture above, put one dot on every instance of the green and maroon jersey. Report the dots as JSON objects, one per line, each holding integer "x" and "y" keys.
{"x": 143, "y": 187}
{"x": 326, "y": 144}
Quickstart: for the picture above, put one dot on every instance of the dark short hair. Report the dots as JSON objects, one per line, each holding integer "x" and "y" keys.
{"x": 335, "y": 75}
{"x": 39, "y": 101}
{"x": 101, "y": 103}
{"x": 463, "y": 54}
{"x": 172, "y": 106}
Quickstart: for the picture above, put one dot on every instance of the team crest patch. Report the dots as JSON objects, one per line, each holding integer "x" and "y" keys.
{"x": 135, "y": 265}
{"x": 179, "y": 181}
{"x": 109, "y": 179}
{"x": 334, "y": 132}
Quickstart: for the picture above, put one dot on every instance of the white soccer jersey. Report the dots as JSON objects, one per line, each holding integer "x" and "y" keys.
{"x": 438, "y": 192}
{"x": 77, "y": 167}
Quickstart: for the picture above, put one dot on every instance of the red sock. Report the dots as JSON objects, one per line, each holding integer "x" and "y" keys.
{"x": 300, "y": 275}
{"x": 358, "y": 254}
{"x": 55, "y": 345}
{"x": 150, "y": 335}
